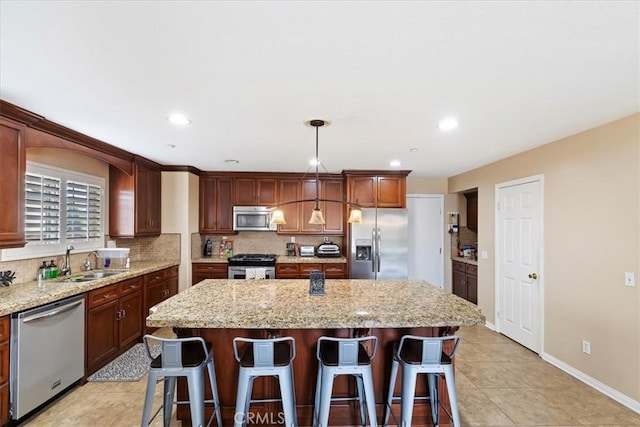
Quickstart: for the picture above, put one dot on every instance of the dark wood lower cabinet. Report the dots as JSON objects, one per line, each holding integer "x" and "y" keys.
{"x": 158, "y": 286}
{"x": 113, "y": 323}
{"x": 305, "y": 365}
{"x": 464, "y": 281}
{"x": 301, "y": 270}
{"x": 208, "y": 270}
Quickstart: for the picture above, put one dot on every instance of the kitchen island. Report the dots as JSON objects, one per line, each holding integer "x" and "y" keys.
{"x": 220, "y": 310}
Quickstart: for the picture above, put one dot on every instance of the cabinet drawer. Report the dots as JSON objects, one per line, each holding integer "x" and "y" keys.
{"x": 206, "y": 267}
{"x": 458, "y": 266}
{"x": 472, "y": 269}
{"x": 306, "y": 268}
{"x": 130, "y": 285}
{"x": 171, "y": 272}
{"x": 286, "y": 268}
{"x": 334, "y": 268}
{"x": 5, "y": 324}
{"x": 103, "y": 295}
{"x": 155, "y": 277}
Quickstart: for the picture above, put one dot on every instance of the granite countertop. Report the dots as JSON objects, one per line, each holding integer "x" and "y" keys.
{"x": 282, "y": 259}
{"x": 286, "y": 304}
{"x": 465, "y": 260}
{"x": 24, "y": 296}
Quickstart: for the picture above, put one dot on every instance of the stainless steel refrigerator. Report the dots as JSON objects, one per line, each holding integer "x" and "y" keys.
{"x": 379, "y": 246}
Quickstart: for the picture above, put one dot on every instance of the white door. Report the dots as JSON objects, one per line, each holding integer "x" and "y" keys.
{"x": 426, "y": 238}
{"x": 518, "y": 247}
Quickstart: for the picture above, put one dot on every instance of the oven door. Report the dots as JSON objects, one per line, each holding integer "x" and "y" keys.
{"x": 240, "y": 272}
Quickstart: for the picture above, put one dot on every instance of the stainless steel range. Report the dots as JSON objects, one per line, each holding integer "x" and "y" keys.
{"x": 243, "y": 266}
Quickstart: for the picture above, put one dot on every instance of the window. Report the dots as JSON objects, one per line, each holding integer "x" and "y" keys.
{"x": 62, "y": 208}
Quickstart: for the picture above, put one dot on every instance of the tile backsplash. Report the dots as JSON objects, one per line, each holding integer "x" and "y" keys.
{"x": 163, "y": 247}
{"x": 263, "y": 242}
{"x": 464, "y": 236}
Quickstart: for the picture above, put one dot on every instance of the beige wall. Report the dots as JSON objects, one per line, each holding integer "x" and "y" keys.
{"x": 591, "y": 237}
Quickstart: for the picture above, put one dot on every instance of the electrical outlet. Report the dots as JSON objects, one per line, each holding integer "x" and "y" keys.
{"x": 485, "y": 255}
{"x": 293, "y": 239}
{"x": 629, "y": 279}
{"x": 586, "y": 347}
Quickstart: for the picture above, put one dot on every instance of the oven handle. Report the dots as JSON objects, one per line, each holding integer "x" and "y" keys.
{"x": 51, "y": 313}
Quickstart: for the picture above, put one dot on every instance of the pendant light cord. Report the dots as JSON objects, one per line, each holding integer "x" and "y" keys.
{"x": 317, "y": 161}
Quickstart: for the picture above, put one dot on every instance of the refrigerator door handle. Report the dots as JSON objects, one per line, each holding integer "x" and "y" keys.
{"x": 378, "y": 249}
{"x": 373, "y": 249}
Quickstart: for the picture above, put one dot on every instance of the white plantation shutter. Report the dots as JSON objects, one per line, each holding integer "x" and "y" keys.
{"x": 62, "y": 207}
{"x": 42, "y": 209}
{"x": 83, "y": 211}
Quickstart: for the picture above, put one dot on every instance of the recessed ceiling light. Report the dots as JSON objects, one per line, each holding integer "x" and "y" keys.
{"x": 449, "y": 123}
{"x": 232, "y": 161}
{"x": 178, "y": 119}
{"x": 171, "y": 145}
{"x": 394, "y": 163}
{"x": 413, "y": 150}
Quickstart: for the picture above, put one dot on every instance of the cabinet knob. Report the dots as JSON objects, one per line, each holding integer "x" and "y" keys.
{"x": 533, "y": 276}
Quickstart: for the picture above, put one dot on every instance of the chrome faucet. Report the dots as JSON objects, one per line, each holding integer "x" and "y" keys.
{"x": 87, "y": 261}
{"x": 66, "y": 267}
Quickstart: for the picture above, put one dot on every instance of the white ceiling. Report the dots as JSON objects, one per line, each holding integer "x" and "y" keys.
{"x": 248, "y": 74}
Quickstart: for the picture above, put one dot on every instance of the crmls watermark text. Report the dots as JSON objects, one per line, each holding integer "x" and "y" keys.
{"x": 267, "y": 418}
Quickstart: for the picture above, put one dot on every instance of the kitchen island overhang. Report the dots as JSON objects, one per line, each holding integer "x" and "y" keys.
{"x": 220, "y": 310}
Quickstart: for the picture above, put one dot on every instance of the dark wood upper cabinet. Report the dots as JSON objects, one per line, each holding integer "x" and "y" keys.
{"x": 382, "y": 189}
{"x": 290, "y": 190}
{"x": 255, "y": 191}
{"x": 332, "y": 212}
{"x": 216, "y": 204}
{"x": 472, "y": 210}
{"x": 134, "y": 202}
{"x": 12, "y": 176}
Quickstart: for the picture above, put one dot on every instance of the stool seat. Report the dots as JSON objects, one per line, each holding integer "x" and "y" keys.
{"x": 271, "y": 357}
{"x": 181, "y": 357}
{"x": 345, "y": 356}
{"x": 423, "y": 355}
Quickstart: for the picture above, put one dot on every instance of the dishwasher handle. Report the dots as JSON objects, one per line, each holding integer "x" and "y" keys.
{"x": 48, "y": 314}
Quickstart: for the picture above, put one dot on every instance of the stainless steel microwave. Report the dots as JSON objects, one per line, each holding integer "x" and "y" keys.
{"x": 253, "y": 218}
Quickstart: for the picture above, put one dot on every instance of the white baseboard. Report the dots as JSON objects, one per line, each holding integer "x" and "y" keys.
{"x": 601, "y": 387}
{"x": 490, "y": 326}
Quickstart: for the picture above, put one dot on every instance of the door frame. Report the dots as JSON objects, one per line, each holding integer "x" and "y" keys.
{"x": 442, "y": 232}
{"x": 541, "y": 275}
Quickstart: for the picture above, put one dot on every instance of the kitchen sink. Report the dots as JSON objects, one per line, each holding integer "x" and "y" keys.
{"x": 93, "y": 275}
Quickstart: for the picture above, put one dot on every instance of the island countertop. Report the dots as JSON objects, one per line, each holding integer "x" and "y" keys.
{"x": 286, "y": 304}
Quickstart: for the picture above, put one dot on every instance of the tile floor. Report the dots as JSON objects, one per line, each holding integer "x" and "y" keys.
{"x": 499, "y": 384}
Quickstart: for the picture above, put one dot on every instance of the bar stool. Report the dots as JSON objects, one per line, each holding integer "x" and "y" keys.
{"x": 344, "y": 356}
{"x": 423, "y": 355}
{"x": 181, "y": 357}
{"x": 271, "y": 357}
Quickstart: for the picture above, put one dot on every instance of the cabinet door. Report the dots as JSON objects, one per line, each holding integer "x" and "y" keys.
{"x": 245, "y": 192}
{"x": 458, "y": 280}
{"x": 333, "y": 212}
{"x": 208, "y": 196}
{"x": 309, "y": 192}
{"x": 224, "y": 205}
{"x": 153, "y": 294}
{"x": 154, "y": 188}
{"x": 207, "y": 270}
{"x": 267, "y": 191}
{"x": 12, "y": 177}
{"x": 142, "y": 200}
{"x": 472, "y": 288}
{"x": 472, "y": 210}
{"x": 130, "y": 319}
{"x": 4, "y": 363}
{"x": 362, "y": 190}
{"x": 290, "y": 190}
{"x": 102, "y": 335}
{"x": 390, "y": 192}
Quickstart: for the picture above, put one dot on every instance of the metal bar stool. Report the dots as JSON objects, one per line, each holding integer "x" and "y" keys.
{"x": 344, "y": 356}
{"x": 181, "y": 357}
{"x": 271, "y": 357}
{"x": 423, "y": 355}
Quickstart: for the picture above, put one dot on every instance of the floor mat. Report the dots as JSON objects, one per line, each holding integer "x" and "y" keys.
{"x": 129, "y": 366}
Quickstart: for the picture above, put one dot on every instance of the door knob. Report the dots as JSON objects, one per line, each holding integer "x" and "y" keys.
{"x": 533, "y": 276}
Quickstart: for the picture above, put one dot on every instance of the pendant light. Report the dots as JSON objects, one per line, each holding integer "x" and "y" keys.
{"x": 316, "y": 215}
{"x": 355, "y": 215}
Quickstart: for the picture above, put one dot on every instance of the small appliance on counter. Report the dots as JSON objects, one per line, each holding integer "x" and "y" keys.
{"x": 307, "y": 251}
{"x": 328, "y": 250}
{"x": 291, "y": 249}
{"x": 207, "y": 251}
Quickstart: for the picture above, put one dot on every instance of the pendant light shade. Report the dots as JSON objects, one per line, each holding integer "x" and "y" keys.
{"x": 277, "y": 217}
{"x": 316, "y": 217}
{"x": 355, "y": 216}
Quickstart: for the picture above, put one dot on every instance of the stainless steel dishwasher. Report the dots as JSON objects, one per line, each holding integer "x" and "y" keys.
{"x": 47, "y": 353}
